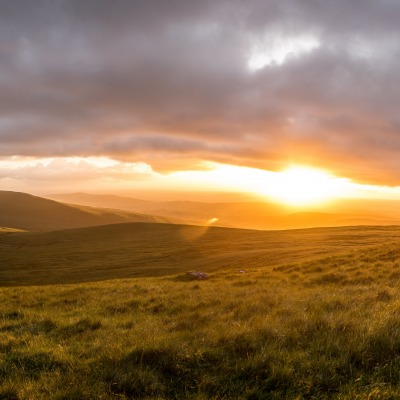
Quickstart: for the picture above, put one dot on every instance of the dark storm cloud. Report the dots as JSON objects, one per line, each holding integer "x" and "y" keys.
{"x": 162, "y": 79}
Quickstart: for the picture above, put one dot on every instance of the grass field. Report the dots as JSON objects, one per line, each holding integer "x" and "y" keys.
{"x": 141, "y": 249}
{"x": 320, "y": 321}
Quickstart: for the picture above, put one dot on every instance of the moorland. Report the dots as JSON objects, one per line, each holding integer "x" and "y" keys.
{"x": 109, "y": 312}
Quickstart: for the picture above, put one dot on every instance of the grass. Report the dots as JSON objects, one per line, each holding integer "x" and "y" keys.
{"x": 324, "y": 327}
{"x": 143, "y": 249}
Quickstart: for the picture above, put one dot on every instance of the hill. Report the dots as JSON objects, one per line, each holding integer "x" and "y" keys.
{"x": 251, "y": 214}
{"x": 314, "y": 315}
{"x": 146, "y": 249}
{"x": 26, "y": 212}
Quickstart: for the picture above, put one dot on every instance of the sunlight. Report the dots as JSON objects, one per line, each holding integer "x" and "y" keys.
{"x": 302, "y": 186}
{"x": 298, "y": 186}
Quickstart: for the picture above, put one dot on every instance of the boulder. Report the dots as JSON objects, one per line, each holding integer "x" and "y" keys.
{"x": 197, "y": 274}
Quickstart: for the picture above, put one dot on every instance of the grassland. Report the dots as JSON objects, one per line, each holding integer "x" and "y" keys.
{"x": 321, "y": 323}
{"x": 141, "y": 249}
{"x": 327, "y": 328}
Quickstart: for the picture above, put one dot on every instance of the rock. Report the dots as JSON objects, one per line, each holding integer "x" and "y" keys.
{"x": 197, "y": 274}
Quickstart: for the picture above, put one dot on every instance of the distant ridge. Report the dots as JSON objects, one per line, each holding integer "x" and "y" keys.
{"x": 104, "y": 201}
{"x": 250, "y": 215}
{"x": 32, "y": 213}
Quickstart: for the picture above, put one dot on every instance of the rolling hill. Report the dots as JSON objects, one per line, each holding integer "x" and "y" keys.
{"x": 308, "y": 313}
{"x": 26, "y": 212}
{"x": 325, "y": 328}
{"x": 146, "y": 249}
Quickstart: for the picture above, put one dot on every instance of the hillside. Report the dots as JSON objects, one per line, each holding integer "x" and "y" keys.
{"x": 145, "y": 249}
{"x": 318, "y": 320}
{"x": 26, "y": 212}
{"x": 251, "y": 214}
{"x": 105, "y": 201}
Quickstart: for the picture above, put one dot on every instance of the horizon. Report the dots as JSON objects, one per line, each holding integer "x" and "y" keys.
{"x": 223, "y": 183}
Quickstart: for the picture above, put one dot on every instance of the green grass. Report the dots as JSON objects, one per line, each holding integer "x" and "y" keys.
{"x": 142, "y": 249}
{"x": 324, "y": 326}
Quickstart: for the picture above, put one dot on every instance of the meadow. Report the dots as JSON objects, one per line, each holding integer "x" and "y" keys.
{"x": 148, "y": 250}
{"x": 323, "y": 326}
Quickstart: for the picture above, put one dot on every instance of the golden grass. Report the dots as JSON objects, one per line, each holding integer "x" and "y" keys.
{"x": 318, "y": 328}
{"x": 142, "y": 249}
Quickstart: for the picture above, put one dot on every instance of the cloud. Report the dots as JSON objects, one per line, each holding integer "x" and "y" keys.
{"x": 73, "y": 173}
{"x": 163, "y": 82}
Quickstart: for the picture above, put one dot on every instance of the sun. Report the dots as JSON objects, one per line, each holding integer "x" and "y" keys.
{"x": 303, "y": 186}
{"x": 296, "y": 186}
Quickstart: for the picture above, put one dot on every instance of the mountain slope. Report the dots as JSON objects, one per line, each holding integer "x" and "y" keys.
{"x": 32, "y": 213}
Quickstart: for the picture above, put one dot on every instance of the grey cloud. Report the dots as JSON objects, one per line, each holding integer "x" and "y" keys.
{"x": 170, "y": 77}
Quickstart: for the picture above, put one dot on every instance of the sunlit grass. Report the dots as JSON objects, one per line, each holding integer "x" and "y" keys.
{"x": 323, "y": 328}
{"x": 142, "y": 249}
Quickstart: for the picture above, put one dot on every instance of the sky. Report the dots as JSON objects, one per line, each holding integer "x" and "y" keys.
{"x": 118, "y": 95}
